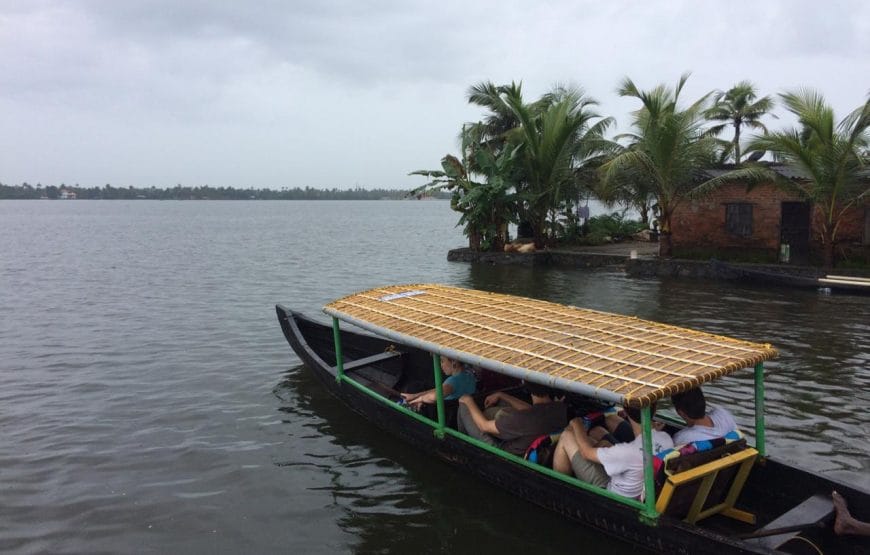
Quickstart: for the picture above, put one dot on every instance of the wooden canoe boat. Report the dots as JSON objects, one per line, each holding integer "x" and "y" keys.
{"x": 836, "y": 284}
{"x": 404, "y": 328}
{"x": 850, "y": 284}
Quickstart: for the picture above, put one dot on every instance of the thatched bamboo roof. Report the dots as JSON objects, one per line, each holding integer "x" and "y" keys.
{"x": 611, "y": 357}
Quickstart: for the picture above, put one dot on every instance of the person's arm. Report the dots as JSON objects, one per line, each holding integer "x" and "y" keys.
{"x": 584, "y": 444}
{"x": 480, "y": 420}
{"x": 429, "y": 397}
{"x": 494, "y": 398}
{"x": 409, "y": 397}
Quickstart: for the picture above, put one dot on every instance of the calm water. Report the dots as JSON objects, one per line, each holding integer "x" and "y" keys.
{"x": 149, "y": 403}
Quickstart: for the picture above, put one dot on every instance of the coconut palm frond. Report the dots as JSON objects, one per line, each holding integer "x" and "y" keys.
{"x": 739, "y": 107}
{"x": 856, "y": 125}
{"x": 750, "y": 175}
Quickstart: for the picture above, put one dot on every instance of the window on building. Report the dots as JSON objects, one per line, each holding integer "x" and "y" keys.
{"x": 738, "y": 218}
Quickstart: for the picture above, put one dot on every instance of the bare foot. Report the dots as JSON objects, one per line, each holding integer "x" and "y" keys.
{"x": 846, "y": 524}
{"x": 841, "y": 524}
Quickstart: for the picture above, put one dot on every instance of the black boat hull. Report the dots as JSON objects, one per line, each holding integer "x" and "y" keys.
{"x": 775, "y": 482}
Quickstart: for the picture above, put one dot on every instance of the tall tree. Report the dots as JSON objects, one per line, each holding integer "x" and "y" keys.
{"x": 738, "y": 108}
{"x": 493, "y": 130}
{"x": 668, "y": 152}
{"x": 832, "y": 157}
{"x": 555, "y": 135}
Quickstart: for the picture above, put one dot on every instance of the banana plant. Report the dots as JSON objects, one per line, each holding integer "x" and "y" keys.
{"x": 487, "y": 204}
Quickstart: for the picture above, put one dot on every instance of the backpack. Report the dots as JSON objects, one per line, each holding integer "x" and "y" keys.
{"x": 540, "y": 451}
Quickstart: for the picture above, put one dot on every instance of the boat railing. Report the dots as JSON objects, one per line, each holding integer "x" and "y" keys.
{"x": 441, "y": 430}
{"x": 649, "y": 509}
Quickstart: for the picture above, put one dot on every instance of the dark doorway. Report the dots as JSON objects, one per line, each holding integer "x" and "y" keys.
{"x": 795, "y": 230}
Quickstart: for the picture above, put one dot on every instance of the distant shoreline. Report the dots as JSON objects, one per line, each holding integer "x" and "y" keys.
{"x": 234, "y": 199}
{"x": 26, "y": 191}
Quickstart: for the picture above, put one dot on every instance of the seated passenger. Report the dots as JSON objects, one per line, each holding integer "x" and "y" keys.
{"x": 619, "y": 468}
{"x": 700, "y": 423}
{"x": 510, "y": 423}
{"x": 459, "y": 382}
{"x": 616, "y": 429}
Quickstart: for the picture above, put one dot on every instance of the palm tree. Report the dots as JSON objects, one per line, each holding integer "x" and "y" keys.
{"x": 498, "y": 123}
{"x": 738, "y": 107}
{"x": 668, "y": 151}
{"x": 833, "y": 157}
{"x": 555, "y": 136}
{"x": 630, "y": 188}
{"x": 494, "y": 131}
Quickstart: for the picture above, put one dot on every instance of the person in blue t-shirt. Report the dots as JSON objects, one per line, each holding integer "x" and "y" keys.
{"x": 459, "y": 382}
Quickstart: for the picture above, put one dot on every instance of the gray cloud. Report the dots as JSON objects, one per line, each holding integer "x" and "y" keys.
{"x": 337, "y": 93}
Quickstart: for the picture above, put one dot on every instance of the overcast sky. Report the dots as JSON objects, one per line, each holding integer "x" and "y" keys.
{"x": 336, "y": 94}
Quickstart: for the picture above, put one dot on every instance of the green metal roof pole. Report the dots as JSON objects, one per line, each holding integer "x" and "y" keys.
{"x": 648, "y": 515}
{"x": 759, "y": 409}
{"x": 339, "y": 360}
{"x": 439, "y": 395}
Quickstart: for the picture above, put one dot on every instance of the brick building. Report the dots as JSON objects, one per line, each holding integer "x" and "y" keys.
{"x": 761, "y": 219}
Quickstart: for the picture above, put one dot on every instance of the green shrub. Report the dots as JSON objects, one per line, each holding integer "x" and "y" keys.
{"x": 614, "y": 225}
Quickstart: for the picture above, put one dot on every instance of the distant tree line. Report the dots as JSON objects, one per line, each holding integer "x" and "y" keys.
{"x": 179, "y": 192}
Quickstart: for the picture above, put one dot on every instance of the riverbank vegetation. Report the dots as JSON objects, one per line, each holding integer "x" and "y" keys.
{"x": 534, "y": 163}
{"x": 179, "y": 192}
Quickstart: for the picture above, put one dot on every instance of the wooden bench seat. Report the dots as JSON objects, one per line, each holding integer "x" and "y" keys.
{"x": 380, "y": 372}
{"x": 813, "y": 511}
{"x": 707, "y": 483}
{"x": 380, "y": 357}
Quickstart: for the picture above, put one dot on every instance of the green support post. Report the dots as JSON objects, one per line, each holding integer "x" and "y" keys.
{"x": 439, "y": 396}
{"x": 339, "y": 359}
{"x": 759, "y": 409}
{"x": 648, "y": 515}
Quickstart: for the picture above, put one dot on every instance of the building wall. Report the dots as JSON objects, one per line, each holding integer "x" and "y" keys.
{"x": 701, "y": 223}
{"x": 852, "y": 227}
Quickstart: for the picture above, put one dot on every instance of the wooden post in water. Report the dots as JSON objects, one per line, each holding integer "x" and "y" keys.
{"x": 439, "y": 395}
{"x": 759, "y": 409}
{"x": 339, "y": 360}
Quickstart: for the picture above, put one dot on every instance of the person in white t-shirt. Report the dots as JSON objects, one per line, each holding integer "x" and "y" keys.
{"x": 700, "y": 423}
{"x": 619, "y": 468}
